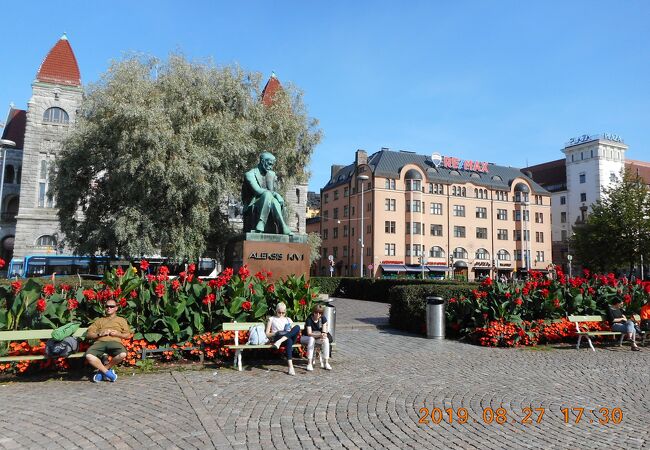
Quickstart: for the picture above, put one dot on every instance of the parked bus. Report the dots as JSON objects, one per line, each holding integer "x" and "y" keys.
{"x": 95, "y": 266}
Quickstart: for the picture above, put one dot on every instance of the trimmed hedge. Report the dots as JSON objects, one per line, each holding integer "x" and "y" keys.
{"x": 408, "y": 303}
{"x": 372, "y": 289}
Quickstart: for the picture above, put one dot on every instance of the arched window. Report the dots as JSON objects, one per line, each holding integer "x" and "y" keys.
{"x": 436, "y": 252}
{"x": 503, "y": 255}
{"x": 12, "y": 206}
{"x": 464, "y": 194}
{"x": 483, "y": 254}
{"x": 460, "y": 253}
{"x": 55, "y": 115}
{"x": 46, "y": 241}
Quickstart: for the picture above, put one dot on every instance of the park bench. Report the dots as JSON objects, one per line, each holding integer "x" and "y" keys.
{"x": 245, "y": 326}
{"x": 589, "y": 334}
{"x": 24, "y": 335}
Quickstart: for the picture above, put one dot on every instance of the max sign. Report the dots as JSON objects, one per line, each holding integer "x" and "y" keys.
{"x": 459, "y": 164}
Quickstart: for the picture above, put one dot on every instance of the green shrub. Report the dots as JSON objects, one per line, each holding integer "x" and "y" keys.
{"x": 408, "y": 303}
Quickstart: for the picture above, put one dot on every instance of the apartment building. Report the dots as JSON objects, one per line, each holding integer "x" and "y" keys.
{"x": 401, "y": 213}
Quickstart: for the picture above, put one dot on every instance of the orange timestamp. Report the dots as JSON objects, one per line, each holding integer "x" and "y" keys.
{"x": 528, "y": 416}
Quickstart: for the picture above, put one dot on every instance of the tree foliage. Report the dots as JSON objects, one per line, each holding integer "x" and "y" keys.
{"x": 158, "y": 146}
{"x": 617, "y": 231}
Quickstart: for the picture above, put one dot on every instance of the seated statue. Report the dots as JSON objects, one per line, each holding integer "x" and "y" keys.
{"x": 263, "y": 207}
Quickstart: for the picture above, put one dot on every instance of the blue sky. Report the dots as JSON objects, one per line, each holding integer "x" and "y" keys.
{"x": 502, "y": 81}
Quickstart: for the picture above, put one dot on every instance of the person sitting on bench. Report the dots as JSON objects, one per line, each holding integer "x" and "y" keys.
{"x": 280, "y": 329}
{"x": 620, "y": 323}
{"x": 316, "y": 328}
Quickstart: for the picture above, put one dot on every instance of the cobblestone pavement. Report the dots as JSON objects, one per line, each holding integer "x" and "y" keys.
{"x": 372, "y": 399}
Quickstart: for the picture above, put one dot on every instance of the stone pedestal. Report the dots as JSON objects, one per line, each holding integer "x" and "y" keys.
{"x": 279, "y": 254}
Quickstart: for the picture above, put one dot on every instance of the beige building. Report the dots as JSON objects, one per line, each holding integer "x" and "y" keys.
{"x": 431, "y": 216}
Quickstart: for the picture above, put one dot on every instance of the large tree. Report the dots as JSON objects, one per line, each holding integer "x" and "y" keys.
{"x": 159, "y": 146}
{"x": 617, "y": 231}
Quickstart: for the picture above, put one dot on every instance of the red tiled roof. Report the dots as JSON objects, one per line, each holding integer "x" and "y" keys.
{"x": 15, "y": 128}
{"x": 640, "y": 168}
{"x": 60, "y": 65}
{"x": 272, "y": 86}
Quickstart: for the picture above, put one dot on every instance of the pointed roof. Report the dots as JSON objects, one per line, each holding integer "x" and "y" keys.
{"x": 15, "y": 128}
{"x": 272, "y": 86}
{"x": 60, "y": 65}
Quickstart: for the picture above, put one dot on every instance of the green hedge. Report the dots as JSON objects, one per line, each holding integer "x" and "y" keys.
{"x": 408, "y": 303}
{"x": 373, "y": 289}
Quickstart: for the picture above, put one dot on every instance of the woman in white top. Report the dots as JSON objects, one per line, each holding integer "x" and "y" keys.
{"x": 280, "y": 329}
{"x": 316, "y": 328}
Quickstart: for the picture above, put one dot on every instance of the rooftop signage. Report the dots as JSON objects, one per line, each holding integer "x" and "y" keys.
{"x": 586, "y": 138}
{"x": 450, "y": 162}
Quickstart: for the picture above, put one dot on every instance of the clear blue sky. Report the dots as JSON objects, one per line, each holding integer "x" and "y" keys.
{"x": 501, "y": 81}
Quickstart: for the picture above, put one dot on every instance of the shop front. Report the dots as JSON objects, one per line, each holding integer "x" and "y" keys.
{"x": 461, "y": 270}
{"x": 482, "y": 269}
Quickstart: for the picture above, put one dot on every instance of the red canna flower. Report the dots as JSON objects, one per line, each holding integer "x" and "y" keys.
{"x": 16, "y": 286}
{"x": 191, "y": 268}
{"x": 627, "y": 299}
{"x": 160, "y": 289}
{"x": 119, "y": 272}
{"x": 246, "y": 306}
{"x": 41, "y": 304}
{"x": 163, "y": 271}
{"x": 302, "y": 302}
{"x": 48, "y": 289}
{"x": 519, "y": 301}
{"x": 271, "y": 288}
{"x": 72, "y": 304}
{"x": 65, "y": 287}
{"x": 122, "y": 302}
{"x": 133, "y": 293}
{"x": 176, "y": 285}
{"x": 208, "y": 299}
{"x": 244, "y": 272}
{"x": 2, "y": 263}
{"x": 144, "y": 264}
{"x": 89, "y": 294}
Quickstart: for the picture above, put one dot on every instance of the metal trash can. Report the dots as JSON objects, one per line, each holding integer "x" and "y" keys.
{"x": 330, "y": 316}
{"x": 435, "y": 318}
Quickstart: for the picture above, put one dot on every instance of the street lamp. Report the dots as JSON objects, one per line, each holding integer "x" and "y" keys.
{"x": 569, "y": 258}
{"x": 451, "y": 265}
{"x": 4, "y": 143}
{"x": 362, "y": 232}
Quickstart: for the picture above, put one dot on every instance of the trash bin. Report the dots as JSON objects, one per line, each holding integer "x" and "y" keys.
{"x": 330, "y": 316}
{"x": 435, "y": 318}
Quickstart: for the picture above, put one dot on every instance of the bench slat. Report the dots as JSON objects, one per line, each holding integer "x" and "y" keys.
{"x": 598, "y": 333}
{"x": 23, "y": 335}
{"x": 245, "y": 326}
{"x": 35, "y": 357}
{"x": 586, "y": 319}
{"x": 252, "y": 347}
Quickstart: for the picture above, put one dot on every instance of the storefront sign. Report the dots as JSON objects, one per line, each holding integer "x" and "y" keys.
{"x": 502, "y": 264}
{"x": 437, "y": 263}
{"x": 482, "y": 264}
{"x": 391, "y": 262}
{"x": 450, "y": 162}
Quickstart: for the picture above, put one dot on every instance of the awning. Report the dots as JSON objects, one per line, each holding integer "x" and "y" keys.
{"x": 392, "y": 267}
{"x": 460, "y": 264}
{"x": 438, "y": 268}
{"x": 414, "y": 269}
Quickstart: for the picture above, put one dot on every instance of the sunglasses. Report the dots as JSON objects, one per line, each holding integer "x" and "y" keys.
{"x": 111, "y": 306}
{"x": 282, "y": 312}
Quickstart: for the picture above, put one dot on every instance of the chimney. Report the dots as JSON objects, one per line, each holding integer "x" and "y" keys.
{"x": 334, "y": 169}
{"x": 361, "y": 157}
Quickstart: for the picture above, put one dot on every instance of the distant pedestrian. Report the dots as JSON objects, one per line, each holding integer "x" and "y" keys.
{"x": 107, "y": 332}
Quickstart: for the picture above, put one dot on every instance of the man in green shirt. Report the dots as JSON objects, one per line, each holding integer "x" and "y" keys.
{"x": 107, "y": 332}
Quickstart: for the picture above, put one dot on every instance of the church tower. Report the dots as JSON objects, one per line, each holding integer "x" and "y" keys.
{"x": 51, "y": 113}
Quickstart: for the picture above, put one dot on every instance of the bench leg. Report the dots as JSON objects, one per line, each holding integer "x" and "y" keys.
{"x": 579, "y": 340}
{"x": 239, "y": 360}
{"x": 590, "y": 344}
{"x": 620, "y": 341}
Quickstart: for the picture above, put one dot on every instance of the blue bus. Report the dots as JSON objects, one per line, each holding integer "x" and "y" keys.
{"x": 96, "y": 266}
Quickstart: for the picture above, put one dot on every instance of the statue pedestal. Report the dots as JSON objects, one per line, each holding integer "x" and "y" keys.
{"x": 276, "y": 253}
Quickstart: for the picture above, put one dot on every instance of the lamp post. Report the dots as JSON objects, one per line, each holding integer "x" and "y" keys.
{"x": 362, "y": 232}
{"x": 569, "y": 258}
{"x": 451, "y": 265}
{"x": 645, "y": 218}
{"x": 4, "y": 143}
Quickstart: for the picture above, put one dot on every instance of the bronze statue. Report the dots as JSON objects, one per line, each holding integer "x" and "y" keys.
{"x": 263, "y": 207}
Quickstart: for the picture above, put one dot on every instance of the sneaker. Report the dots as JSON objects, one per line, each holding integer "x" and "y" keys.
{"x": 310, "y": 367}
{"x": 327, "y": 366}
{"x": 636, "y": 349}
{"x": 98, "y": 377}
{"x": 111, "y": 376}
{"x": 291, "y": 371}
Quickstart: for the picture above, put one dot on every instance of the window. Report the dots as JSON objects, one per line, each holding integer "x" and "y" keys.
{"x": 46, "y": 241}
{"x": 502, "y": 214}
{"x": 408, "y": 227}
{"x": 325, "y": 233}
{"x": 325, "y": 255}
{"x": 481, "y": 233}
{"x": 389, "y": 204}
{"x": 526, "y": 235}
{"x": 563, "y": 217}
{"x": 408, "y": 250}
{"x": 335, "y": 232}
{"x": 502, "y": 196}
{"x": 539, "y": 236}
{"x": 346, "y": 192}
{"x": 345, "y": 231}
{"x": 517, "y": 215}
{"x": 436, "y": 208}
{"x": 482, "y": 254}
{"x": 368, "y": 229}
{"x": 346, "y": 211}
{"x": 335, "y": 252}
{"x": 516, "y": 235}
{"x": 503, "y": 255}
{"x": 564, "y": 235}
{"x": 414, "y": 206}
{"x": 563, "y": 200}
{"x": 460, "y": 253}
{"x": 44, "y": 182}
{"x": 418, "y": 228}
{"x": 55, "y": 115}
{"x": 345, "y": 250}
{"x": 436, "y": 230}
{"x": 459, "y": 210}
{"x": 369, "y": 206}
{"x": 326, "y": 214}
{"x": 539, "y": 200}
{"x": 583, "y": 196}
{"x": 583, "y": 178}
{"x": 417, "y": 249}
{"x": 539, "y": 217}
{"x": 326, "y": 198}
{"x": 336, "y": 194}
{"x": 539, "y": 257}
{"x": 459, "y": 231}
{"x": 389, "y": 249}
{"x": 389, "y": 226}
{"x": 413, "y": 185}
{"x": 336, "y": 213}
{"x": 526, "y": 215}
{"x": 502, "y": 234}
{"x": 480, "y": 193}
{"x": 518, "y": 255}
{"x": 612, "y": 177}
{"x": 390, "y": 184}
{"x": 481, "y": 213}
{"x": 436, "y": 188}
{"x": 436, "y": 252}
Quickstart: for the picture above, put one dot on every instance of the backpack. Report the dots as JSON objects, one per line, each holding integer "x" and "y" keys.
{"x": 57, "y": 349}
{"x": 257, "y": 335}
{"x": 64, "y": 331}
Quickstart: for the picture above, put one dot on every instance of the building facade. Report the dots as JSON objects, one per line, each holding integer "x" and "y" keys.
{"x": 395, "y": 213}
{"x": 592, "y": 163}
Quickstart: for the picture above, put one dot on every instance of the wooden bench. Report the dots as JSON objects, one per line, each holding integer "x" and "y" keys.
{"x": 24, "y": 335}
{"x": 245, "y": 326}
{"x": 589, "y": 334}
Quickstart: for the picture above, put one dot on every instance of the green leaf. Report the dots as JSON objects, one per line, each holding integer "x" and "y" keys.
{"x": 153, "y": 337}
